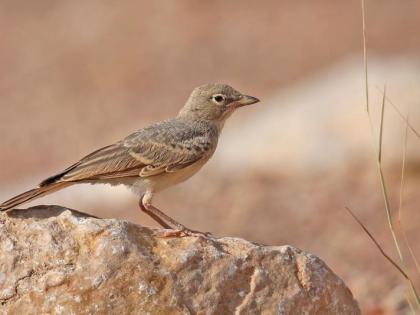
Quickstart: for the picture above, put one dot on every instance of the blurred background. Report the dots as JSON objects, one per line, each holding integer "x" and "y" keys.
{"x": 78, "y": 75}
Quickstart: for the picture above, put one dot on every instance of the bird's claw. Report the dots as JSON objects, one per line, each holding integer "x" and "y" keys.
{"x": 168, "y": 233}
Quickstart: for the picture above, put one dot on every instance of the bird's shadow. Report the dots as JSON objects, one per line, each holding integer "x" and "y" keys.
{"x": 45, "y": 211}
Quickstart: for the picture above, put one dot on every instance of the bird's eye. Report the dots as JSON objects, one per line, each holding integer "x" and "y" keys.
{"x": 218, "y": 98}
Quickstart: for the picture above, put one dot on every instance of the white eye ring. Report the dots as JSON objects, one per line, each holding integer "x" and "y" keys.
{"x": 218, "y": 98}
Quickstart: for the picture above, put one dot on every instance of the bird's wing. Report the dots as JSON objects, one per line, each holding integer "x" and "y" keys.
{"x": 113, "y": 161}
{"x": 147, "y": 152}
{"x": 168, "y": 147}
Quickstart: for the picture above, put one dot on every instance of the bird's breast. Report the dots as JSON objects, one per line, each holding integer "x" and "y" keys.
{"x": 165, "y": 180}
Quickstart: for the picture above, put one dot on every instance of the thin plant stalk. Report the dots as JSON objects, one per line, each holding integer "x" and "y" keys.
{"x": 396, "y": 266}
{"x": 382, "y": 179}
{"x": 379, "y": 149}
{"x": 379, "y": 165}
{"x": 365, "y": 59}
{"x": 400, "y": 206}
{"x": 404, "y": 118}
{"x": 381, "y": 129}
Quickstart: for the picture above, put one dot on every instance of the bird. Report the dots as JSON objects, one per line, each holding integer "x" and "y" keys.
{"x": 156, "y": 157}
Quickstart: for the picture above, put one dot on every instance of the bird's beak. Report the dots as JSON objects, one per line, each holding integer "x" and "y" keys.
{"x": 247, "y": 100}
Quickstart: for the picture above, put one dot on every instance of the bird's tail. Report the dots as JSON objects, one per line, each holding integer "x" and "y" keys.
{"x": 31, "y": 194}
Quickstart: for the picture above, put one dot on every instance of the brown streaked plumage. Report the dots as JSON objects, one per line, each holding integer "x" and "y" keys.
{"x": 156, "y": 157}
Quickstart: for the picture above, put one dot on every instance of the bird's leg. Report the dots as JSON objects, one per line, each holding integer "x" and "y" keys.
{"x": 176, "y": 229}
{"x": 155, "y": 217}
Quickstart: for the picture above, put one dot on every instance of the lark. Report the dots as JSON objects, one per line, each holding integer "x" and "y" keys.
{"x": 155, "y": 157}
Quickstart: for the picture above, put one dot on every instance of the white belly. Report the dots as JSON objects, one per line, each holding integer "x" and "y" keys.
{"x": 165, "y": 180}
{"x": 139, "y": 185}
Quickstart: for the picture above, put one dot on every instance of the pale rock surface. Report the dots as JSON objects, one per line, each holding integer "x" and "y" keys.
{"x": 55, "y": 261}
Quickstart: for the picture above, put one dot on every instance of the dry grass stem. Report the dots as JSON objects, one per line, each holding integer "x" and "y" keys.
{"x": 378, "y": 150}
{"x": 400, "y": 206}
{"x": 365, "y": 54}
{"x": 396, "y": 266}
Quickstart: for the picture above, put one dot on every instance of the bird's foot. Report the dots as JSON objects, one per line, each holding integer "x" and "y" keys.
{"x": 184, "y": 232}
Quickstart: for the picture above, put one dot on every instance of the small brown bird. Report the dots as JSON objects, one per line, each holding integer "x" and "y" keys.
{"x": 156, "y": 157}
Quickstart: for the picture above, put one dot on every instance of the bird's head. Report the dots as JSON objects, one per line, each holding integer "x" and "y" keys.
{"x": 215, "y": 102}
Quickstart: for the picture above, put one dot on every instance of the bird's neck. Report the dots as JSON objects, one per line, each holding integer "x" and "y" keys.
{"x": 210, "y": 123}
{"x": 193, "y": 116}
{"x": 212, "y": 126}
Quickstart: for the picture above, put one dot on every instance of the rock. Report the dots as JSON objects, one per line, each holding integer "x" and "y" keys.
{"x": 57, "y": 261}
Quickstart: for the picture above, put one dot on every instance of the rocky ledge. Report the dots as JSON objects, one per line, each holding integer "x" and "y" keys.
{"x": 57, "y": 261}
